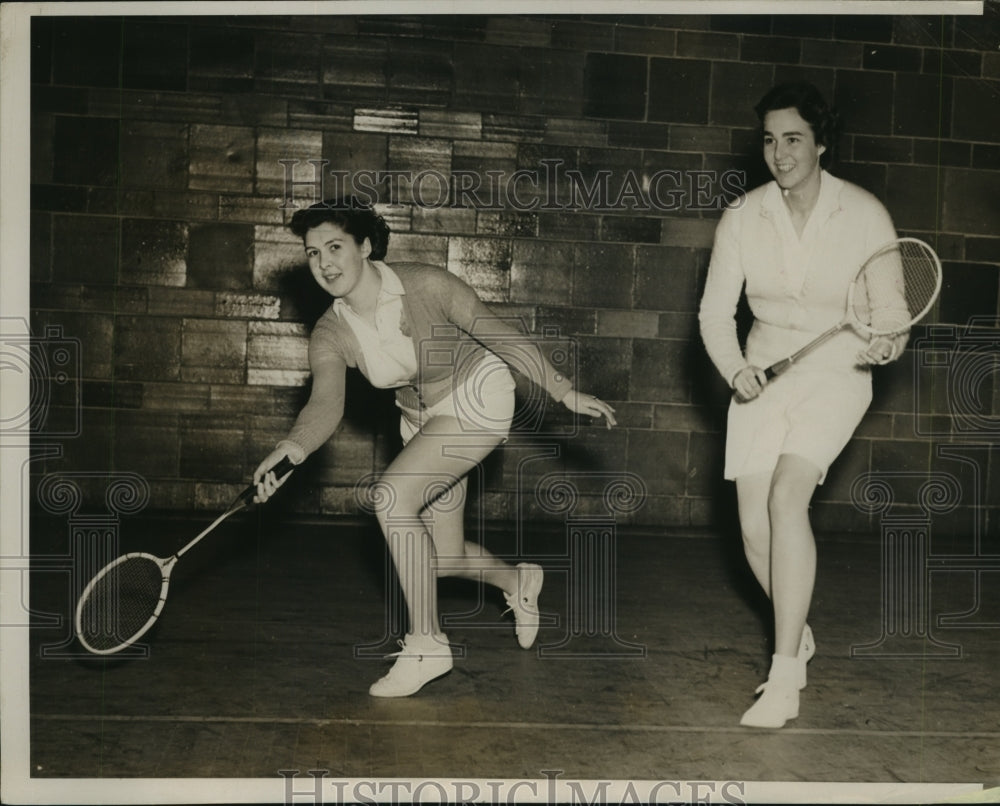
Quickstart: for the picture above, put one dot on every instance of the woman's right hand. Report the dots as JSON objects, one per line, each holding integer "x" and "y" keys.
{"x": 267, "y": 483}
{"x": 748, "y": 383}
{"x": 582, "y": 403}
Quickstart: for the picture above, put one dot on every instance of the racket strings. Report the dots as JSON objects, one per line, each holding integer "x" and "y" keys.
{"x": 121, "y": 603}
{"x": 896, "y": 286}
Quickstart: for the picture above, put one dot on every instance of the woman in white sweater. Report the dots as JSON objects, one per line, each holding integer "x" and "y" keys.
{"x": 793, "y": 245}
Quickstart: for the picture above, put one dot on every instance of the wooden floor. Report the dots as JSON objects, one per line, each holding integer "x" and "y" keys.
{"x": 274, "y": 630}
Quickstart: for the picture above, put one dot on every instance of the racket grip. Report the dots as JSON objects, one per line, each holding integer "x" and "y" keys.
{"x": 283, "y": 468}
{"x": 280, "y": 470}
{"x": 776, "y": 369}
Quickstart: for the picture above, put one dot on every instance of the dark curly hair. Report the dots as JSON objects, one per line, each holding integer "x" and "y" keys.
{"x": 810, "y": 104}
{"x": 355, "y": 217}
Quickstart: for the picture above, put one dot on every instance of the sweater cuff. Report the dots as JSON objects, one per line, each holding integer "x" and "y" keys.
{"x": 294, "y": 451}
{"x": 561, "y": 387}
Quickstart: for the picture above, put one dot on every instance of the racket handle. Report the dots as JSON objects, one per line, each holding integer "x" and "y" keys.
{"x": 280, "y": 471}
{"x": 776, "y": 369}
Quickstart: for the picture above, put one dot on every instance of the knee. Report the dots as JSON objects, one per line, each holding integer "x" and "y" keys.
{"x": 787, "y": 500}
{"x": 393, "y": 497}
{"x": 755, "y": 541}
{"x": 755, "y": 525}
{"x": 397, "y": 495}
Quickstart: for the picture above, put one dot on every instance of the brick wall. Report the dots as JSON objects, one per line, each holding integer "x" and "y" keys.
{"x": 158, "y": 240}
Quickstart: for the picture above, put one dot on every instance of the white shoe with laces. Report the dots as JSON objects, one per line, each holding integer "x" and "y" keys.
{"x": 524, "y": 604}
{"x": 419, "y": 660}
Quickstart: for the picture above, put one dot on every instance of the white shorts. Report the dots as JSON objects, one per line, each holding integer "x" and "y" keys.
{"x": 484, "y": 403}
{"x": 811, "y": 413}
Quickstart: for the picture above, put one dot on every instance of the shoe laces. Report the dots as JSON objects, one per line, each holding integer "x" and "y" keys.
{"x": 410, "y": 651}
{"x": 400, "y": 651}
{"x": 405, "y": 651}
{"x": 514, "y": 603}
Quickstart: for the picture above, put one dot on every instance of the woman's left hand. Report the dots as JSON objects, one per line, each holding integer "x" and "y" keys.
{"x": 883, "y": 349}
{"x": 582, "y": 403}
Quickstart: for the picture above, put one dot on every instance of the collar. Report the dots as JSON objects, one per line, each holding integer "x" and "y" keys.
{"x": 827, "y": 203}
{"x": 391, "y": 286}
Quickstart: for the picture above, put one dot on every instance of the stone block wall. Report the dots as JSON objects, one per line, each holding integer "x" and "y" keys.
{"x": 571, "y": 168}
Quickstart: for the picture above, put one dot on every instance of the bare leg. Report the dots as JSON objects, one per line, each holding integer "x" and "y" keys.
{"x": 456, "y": 556}
{"x": 752, "y": 492}
{"x": 792, "y": 575}
{"x": 793, "y": 549}
{"x": 431, "y": 463}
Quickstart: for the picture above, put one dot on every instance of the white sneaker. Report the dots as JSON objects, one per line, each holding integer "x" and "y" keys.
{"x": 525, "y": 603}
{"x": 419, "y": 660}
{"x": 779, "y": 696}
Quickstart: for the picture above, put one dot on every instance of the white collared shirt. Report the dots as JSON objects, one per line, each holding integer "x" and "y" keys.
{"x": 390, "y": 359}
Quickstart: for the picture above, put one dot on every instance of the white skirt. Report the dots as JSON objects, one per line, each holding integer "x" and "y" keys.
{"x": 811, "y": 413}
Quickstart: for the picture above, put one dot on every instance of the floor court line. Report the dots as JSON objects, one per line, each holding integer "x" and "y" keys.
{"x": 583, "y": 726}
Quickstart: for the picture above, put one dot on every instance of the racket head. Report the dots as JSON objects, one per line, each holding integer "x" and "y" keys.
{"x": 122, "y": 602}
{"x": 895, "y": 288}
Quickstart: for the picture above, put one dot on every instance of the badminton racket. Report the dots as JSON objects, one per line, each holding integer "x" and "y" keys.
{"x": 125, "y": 598}
{"x": 893, "y": 290}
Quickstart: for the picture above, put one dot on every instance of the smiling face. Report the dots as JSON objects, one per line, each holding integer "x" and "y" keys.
{"x": 336, "y": 260}
{"x": 790, "y": 149}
